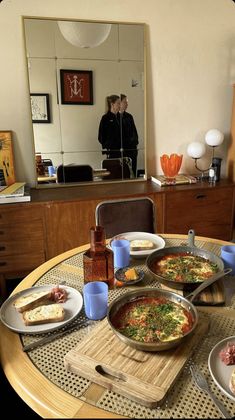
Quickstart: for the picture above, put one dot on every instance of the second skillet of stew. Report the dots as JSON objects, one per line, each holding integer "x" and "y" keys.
{"x": 184, "y": 267}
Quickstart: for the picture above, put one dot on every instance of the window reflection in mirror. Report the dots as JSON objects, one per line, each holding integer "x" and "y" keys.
{"x": 78, "y": 81}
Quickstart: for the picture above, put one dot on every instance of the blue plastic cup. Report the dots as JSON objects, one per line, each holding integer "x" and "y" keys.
{"x": 121, "y": 252}
{"x": 95, "y": 296}
{"x": 51, "y": 170}
{"x": 228, "y": 256}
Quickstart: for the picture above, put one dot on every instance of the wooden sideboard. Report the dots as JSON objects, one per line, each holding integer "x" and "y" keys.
{"x": 231, "y": 148}
{"x": 58, "y": 219}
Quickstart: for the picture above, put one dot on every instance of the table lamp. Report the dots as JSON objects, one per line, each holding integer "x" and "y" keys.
{"x": 196, "y": 150}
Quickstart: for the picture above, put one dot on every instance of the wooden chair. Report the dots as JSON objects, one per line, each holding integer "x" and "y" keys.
{"x": 119, "y": 168}
{"x": 126, "y": 215}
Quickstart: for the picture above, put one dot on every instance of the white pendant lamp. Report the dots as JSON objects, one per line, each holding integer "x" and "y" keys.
{"x": 84, "y": 34}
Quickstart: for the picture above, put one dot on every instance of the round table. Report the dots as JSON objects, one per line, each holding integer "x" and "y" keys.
{"x": 52, "y": 401}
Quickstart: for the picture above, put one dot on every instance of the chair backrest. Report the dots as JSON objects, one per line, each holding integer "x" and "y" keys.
{"x": 118, "y": 167}
{"x": 47, "y": 162}
{"x": 74, "y": 173}
{"x": 130, "y": 215}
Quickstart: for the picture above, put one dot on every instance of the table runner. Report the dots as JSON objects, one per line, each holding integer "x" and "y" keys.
{"x": 184, "y": 399}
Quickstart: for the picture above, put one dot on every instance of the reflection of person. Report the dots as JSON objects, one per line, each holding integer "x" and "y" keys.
{"x": 109, "y": 128}
{"x": 129, "y": 133}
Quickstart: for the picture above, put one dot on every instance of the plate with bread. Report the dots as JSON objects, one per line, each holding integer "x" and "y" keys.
{"x": 141, "y": 243}
{"x": 221, "y": 363}
{"x": 41, "y": 309}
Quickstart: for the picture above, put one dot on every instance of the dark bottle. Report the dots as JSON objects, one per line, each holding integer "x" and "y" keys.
{"x": 98, "y": 259}
{"x": 216, "y": 163}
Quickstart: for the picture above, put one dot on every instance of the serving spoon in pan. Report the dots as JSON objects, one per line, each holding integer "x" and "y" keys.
{"x": 191, "y": 296}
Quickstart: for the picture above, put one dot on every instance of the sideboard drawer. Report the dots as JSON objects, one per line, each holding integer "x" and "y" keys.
{"x": 208, "y": 211}
{"x": 22, "y": 262}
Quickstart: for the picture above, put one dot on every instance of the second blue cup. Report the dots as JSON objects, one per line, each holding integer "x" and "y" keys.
{"x": 228, "y": 257}
{"x": 95, "y": 296}
{"x": 121, "y": 252}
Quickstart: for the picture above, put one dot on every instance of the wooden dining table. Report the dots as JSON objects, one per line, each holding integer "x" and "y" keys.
{"x": 41, "y": 380}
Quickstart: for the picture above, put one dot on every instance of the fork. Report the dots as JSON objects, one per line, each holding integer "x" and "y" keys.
{"x": 202, "y": 384}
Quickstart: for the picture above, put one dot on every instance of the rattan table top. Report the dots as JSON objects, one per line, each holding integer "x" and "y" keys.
{"x": 183, "y": 401}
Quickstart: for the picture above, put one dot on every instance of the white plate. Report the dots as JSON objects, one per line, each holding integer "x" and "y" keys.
{"x": 131, "y": 236}
{"x": 220, "y": 372}
{"x": 13, "y": 319}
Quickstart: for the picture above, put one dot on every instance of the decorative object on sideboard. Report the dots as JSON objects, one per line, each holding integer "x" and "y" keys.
{"x": 171, "y": 165}
{"x": 178, "y": 180}
{"x": 196, "y": 150}
{"x": 7, "y": 169}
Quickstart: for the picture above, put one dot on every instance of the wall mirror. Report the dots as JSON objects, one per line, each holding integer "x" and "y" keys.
{"x": 73, "y": 66}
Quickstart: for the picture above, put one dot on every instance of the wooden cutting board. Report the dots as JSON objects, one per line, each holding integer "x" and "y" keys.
{"x": 212, "y": 295}
{"x": 144, "y": 377}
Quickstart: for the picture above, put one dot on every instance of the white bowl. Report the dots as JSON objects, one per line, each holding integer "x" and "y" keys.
{"x": 157, "y": 240}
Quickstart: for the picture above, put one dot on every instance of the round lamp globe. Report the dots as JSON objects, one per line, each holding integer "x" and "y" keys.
{"x": 214, "y": 137}
{"x": 196, "y": 150}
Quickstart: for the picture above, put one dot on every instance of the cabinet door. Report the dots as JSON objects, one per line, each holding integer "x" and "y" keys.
{"x": 208, "y": 212}
{"x": 21, "y": 238}
{"x": 68, "y": 225}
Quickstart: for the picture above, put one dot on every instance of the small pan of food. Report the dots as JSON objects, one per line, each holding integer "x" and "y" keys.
{"x": 152, "y": 319}
{"x": 185, "y": 267}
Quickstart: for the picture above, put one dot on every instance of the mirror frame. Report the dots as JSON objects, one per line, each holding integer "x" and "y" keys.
{"x": 144, "y": 84}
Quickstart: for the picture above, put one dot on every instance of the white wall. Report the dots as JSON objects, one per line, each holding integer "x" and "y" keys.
{"x": 190, "y": 69}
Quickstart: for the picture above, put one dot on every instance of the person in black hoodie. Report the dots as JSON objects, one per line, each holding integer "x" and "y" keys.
{"x": 109, "y": 128}
{"x": 129, "y": 133}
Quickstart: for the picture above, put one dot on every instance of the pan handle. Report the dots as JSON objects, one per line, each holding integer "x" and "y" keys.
{"x": 191, "y": 296}
{"x": 191, "y": 237}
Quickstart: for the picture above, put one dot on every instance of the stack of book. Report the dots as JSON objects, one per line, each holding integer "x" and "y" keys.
{"x": 179, "y": 179}
{"x": 15, "y": 193}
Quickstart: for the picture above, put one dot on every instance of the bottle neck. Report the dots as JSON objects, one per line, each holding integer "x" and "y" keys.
{"x": 97, "y": 236}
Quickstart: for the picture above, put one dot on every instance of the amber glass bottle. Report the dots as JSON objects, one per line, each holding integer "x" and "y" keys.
{"x": 98, "y": 259}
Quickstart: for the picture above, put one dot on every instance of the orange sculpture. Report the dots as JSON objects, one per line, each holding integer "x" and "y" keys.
{"x": 171, "y": 164}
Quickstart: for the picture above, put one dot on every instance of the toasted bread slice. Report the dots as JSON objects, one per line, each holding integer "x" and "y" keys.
{"x": 232, "y": 382}
{"x": 32, "y": 300}
{"x": 44, "y": 314}
{"x": 141, "y": 245}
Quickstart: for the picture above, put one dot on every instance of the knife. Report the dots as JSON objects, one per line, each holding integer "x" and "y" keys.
{"x": 52, "y": 337}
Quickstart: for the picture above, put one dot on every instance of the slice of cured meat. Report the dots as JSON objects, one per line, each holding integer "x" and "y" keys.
{"x": 227, "y": 354}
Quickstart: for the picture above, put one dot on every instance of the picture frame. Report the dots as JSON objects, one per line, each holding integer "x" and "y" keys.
{"x": 40, "y": 107}
{"x": 76, "y": 87}
{"x": 7, "y": 168}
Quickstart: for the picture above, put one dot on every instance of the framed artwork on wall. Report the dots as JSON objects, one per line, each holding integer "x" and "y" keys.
{"x": 76, "y": 87}
{"x": 7, "y": 170}
{"x": 40, "y": 107}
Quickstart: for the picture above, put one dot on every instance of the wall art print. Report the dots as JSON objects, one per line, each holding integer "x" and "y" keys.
{"x": 76, "y": 87}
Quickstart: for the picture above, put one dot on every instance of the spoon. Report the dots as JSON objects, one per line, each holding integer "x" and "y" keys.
{"x": 191, "y": 296}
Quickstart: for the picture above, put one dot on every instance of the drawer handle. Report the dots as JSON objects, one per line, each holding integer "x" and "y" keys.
{"x": 2, "y": 248}
{"x": 199, "y": 196}
{"x": 2, "y": 263}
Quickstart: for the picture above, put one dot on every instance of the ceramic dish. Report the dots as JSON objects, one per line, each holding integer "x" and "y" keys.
{"x": 120, "y": 276}
{"x": 157, "y": 240}
{"x": 220, "y": 372}
{"x": 13, "y": 319}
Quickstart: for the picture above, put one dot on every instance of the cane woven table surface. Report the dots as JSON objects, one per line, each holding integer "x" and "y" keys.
{"x": 183, "y": 401}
